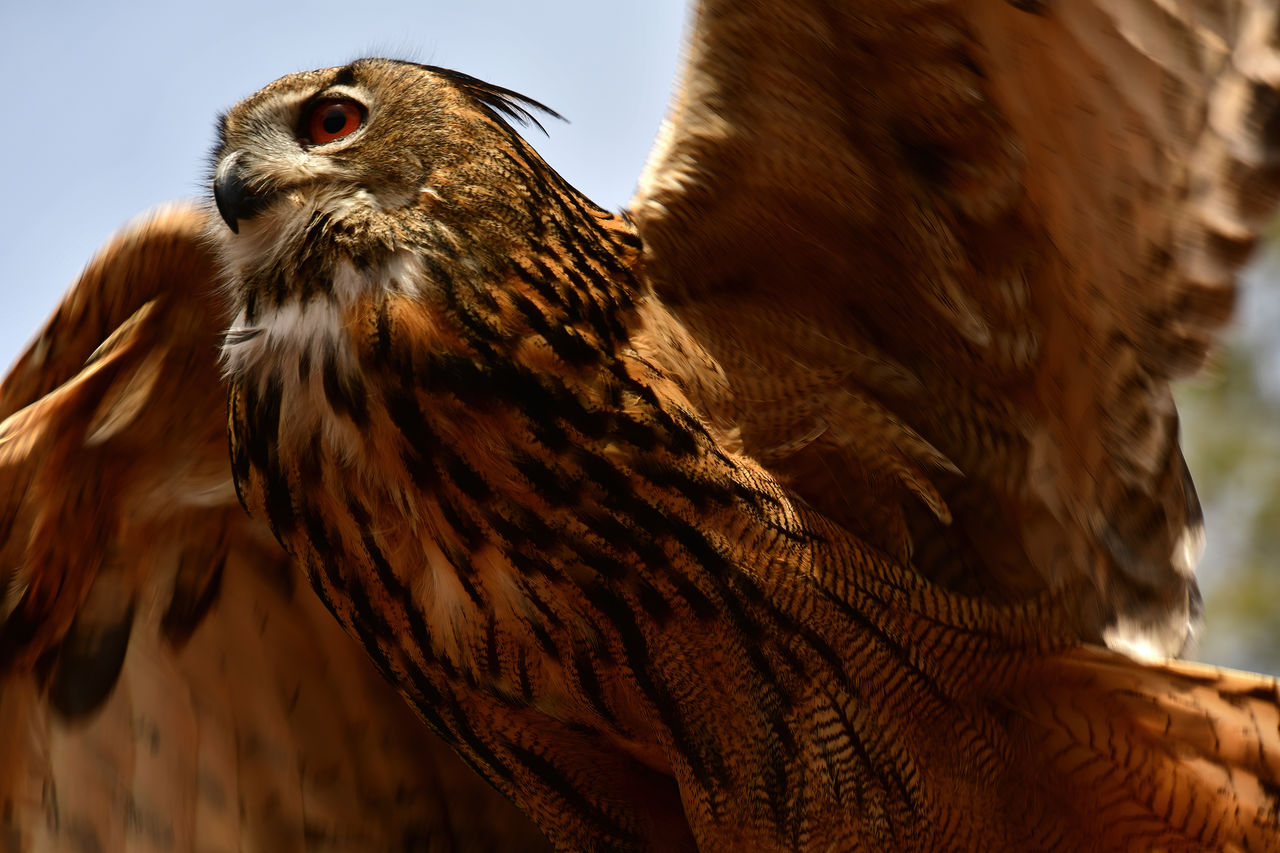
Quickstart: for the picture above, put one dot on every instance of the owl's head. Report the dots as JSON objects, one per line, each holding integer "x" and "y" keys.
{"x": 341, "y": 186}
{"x": 367, "y": 150}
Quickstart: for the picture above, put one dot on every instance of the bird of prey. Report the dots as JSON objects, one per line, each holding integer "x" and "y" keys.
{"x": 788, "y": 510}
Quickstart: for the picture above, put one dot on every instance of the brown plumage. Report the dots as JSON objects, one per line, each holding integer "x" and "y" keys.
{"x": 778, "y": 515}
{"x": 1038, "y": 209}
{"x": 167, "y": 683}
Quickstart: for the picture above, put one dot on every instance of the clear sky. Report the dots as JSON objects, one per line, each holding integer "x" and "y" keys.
{"x": 109, "y": 110}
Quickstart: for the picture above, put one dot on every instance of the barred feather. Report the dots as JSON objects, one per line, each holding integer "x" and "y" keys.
{"x": 490, "y": 467}
{"x": 781, "y": 516}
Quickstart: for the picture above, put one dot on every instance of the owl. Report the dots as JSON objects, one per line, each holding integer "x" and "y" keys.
{"x": 790, "y": 509}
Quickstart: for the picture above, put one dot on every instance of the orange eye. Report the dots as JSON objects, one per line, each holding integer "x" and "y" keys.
{"x": 332, "y": 119}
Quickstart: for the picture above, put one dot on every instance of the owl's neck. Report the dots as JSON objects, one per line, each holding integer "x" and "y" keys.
{"x": 390, "y": 430}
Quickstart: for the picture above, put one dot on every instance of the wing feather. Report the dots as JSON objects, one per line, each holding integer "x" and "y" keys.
{"x": 164, "y": 682}
{"x": 1034, "y": 210}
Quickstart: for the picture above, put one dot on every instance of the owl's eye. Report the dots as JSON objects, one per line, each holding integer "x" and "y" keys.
{"x": 332, "y": 119}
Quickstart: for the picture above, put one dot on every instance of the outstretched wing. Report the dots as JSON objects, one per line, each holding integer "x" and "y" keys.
{"x": 164, "y": 681}
{"x": 949, "y": 256}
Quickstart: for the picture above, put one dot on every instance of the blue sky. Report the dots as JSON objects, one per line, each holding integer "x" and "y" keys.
{"x": 110, "y": 111}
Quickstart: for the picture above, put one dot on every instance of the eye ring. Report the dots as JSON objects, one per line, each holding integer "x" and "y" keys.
{"x": 330, "y": 119}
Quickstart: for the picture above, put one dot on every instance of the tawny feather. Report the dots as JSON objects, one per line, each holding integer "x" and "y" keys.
{"x": 780, "y": 514}
{"x": 165, "y": 683}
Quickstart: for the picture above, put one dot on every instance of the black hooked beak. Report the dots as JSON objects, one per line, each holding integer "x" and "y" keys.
{"x": 235, "y": 198}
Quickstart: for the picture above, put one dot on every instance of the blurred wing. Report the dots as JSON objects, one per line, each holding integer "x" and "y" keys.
{"x": 164, "y": 682}
{"x": 949, "y": 256}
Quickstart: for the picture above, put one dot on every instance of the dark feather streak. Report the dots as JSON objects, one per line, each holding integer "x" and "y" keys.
{"x": 88, "y": 665}
{"x": 499, "y": 103}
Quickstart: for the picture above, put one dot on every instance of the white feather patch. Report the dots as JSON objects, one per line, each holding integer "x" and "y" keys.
{"x": 282, "y": 335}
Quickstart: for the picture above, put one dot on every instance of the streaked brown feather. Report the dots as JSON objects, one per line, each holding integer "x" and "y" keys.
{"x": 652, "y": 522}
{"x": 1035, "y": 211}
{"x": 523, "y": 480}
{"x": 164, "y": 682}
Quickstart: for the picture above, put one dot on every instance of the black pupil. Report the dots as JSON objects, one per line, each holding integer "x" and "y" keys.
{"x": 334, "y": 119}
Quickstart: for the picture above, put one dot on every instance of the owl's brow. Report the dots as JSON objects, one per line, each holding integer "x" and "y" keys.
{"x": 345, "y": 76}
